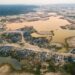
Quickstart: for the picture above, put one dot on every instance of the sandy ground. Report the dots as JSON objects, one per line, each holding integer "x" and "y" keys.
{"x": 52, "y": 74}
{"x": 21, "y": 74}
{"x": 4, "y": 70}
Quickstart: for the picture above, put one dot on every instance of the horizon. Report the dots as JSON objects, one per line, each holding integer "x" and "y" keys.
{"x": 35, "y": 2}
{"x": 41, "y": 4}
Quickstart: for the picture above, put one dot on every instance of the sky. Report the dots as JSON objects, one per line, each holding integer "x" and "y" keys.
{"x": 38, "y": 2}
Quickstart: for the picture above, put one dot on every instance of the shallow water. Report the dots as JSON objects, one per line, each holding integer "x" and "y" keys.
{"x": 13, "y": 62}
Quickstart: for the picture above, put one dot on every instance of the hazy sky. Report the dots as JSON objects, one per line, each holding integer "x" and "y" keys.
{"x": 35, "y": 1}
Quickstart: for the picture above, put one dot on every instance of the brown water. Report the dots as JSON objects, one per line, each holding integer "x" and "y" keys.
{"x": 53, "y": 23}
{"x": 60, "y": 35}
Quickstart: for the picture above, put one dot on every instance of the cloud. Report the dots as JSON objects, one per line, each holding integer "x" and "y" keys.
{"x": 35, "y": 1}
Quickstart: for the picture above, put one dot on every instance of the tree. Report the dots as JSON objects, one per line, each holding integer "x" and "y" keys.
{"x": 69, "y": 68}
{"x": 37, "y": 71}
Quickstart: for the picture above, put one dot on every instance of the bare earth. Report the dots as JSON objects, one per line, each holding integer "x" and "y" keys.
{"x": 4, "y": 70}
{"x": 53, "y": 74}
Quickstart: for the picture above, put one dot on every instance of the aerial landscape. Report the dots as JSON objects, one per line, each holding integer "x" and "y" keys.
{"x": 37, "y": 39}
